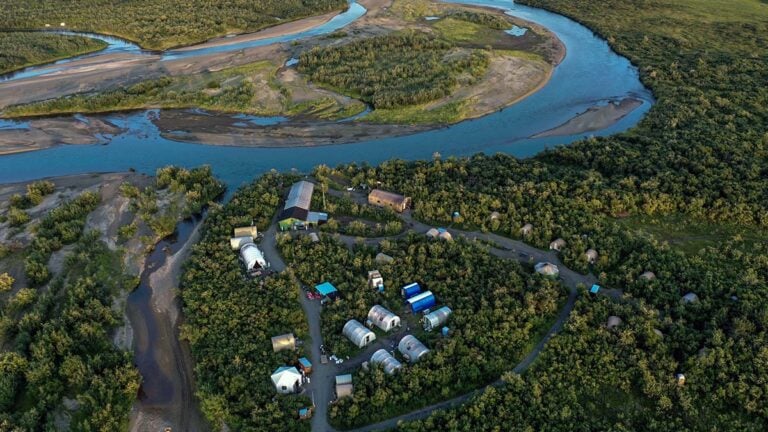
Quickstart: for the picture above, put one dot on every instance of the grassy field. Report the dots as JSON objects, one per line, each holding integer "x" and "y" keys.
{"x": 691, "y": 237}
{"x": 21, "y": 49}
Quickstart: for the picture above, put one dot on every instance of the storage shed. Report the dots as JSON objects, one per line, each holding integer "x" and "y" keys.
{"x": 690, "y": 298}
{"x": 305, "y": 365}
{"x": 326, "y": 289}
{"x": 411, "y": 348}
{"x": 526, "y": 230}
{"x": 436, "y": 318}
{"x": 252, "y": 257}
{"x": 286, "y": 380}
{"x": 422, "y": 301}
{"x": 591, "y": 256}
{"x": 246, "y": 231}
{"x": 236, "y": 243}
{"x": 375, "y": 280}
{"x": 433, "y": 233}
{"x": 386, "y": 360}
{"x": 394, "y": 201}
{"x": 613, "y": 321}
{"x": 383, "y": 318}
{"x": 283, "y": 342}
{"x": 547, "y": 269}
{"x": 410, "y": 290}
{"x": 314, "y": 237}
{"x": 382, "y": 258}
{"x": 344, "y": 386}
{"x": 557, "y": 244}
{"x": 358, "y": 334}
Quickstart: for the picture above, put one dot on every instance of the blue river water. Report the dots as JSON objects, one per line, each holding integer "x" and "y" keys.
{"x": 590, "y": 74}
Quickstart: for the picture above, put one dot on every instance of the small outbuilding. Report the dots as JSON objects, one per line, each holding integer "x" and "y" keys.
{"x": 690, "y": 298}
{"x": 344, "y": 386}
{"x": 305, "y": 413}
{"x": 526, "y": 230}
{"x": 547, "y": 269}
{"x": 410, "y": 290}
{"x": 445, "y": 235}
{"x": 591, "y": 256}
{"x": 394, "y": 201}
{"x": 246, "y": 231}
{"x": 236, "y": 243}
{"x": 358, "y": 334}
{"x": 387, "y": 361}
{"x": 286, "y": 379}
{"x": 382, "y": 258}
{"x": 648, "y": 276}
{"x": 680, "y": 378}
{"x": 305, "y": 365}
{"x": 283, "y": 342}
{"x": 595, "y": 289}
{"x": 375, "y": 280}
{"x": 557, "y": 245}
{"x": 411, "y": 348}
{"x": 314, "y": 237}
{"x": 613, "y": 321}
{"x": 436, "y": 318}
{"x": 326, "y": 289}
{"x": 433, "y": 233}
{"x": 383, "y": 318}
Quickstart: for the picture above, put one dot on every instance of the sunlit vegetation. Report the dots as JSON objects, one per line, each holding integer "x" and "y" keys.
{"x": 22, "y": 49}
{"x": 395, "y": 70}
{"x": 161, "y": 25}
{"x": 230, "y": 319}
{"x": 233, "y": 90}
{"x": 57, "y": 346}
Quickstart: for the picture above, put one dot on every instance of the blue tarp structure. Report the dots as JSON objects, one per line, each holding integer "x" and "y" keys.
{"x": 595, "y": 288}
{"x": 410, "y": 290}
{"x": 327, "y": 289}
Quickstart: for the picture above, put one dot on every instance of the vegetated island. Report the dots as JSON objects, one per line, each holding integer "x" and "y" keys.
{"x": 22, "y": 49}
{"x": 412, "y": 73}
{"x": 162, "y": 25}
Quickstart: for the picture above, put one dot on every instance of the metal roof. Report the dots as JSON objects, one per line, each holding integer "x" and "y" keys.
{"x": 300, "y": 195}
{"x": 359, "y": 334}
{"x": 326, "y": 288}
{"x": 386, "y": 360}
{"x": 419, "y": 297}
{"x": 387, "y": 196}
{"x": 412, "y": 348}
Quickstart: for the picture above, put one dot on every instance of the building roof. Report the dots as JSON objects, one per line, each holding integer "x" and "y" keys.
{"x": 383, "y": 258}
{"x": 690, "y": 298}
{"x": 326, "y": 288}
{"x": 282, "y": 342}
{"x": 344, "y": 379}
{"x": 387, "y": 196}
{"x": 547, "y": 269}
{"x": 285, "y": 376}
{"x": 300, "y": 195}
{"x": 595, "y": 289}
{"x": 305, "y": 362}
{"x": 294, "y": 213}
{"x": 419, "y": 297}
{"x": 357, "y": 333}
{"x": 317, "y": 217}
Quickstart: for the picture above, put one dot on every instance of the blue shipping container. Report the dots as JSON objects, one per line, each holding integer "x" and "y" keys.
{"x": 410, "y": 290}
{"x": 422, "y": 301}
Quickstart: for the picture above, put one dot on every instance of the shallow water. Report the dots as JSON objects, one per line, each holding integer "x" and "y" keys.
{"x": 591, "y": 73}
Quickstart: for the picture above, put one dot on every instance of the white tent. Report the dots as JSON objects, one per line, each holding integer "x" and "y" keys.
{"x": 412, "y": 348}
{"x": 383, "y": 318}
{"x": 358, "y": 334}
{"x": 386, "y": 360}
{"x": 286, "y": 379}
{"x": 252, "y": 257}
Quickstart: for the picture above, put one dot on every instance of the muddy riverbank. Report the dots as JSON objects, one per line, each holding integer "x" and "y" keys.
{"x": 595, "y": 118}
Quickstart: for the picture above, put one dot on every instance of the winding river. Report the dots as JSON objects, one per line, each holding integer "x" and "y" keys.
{"x": 591, "y": 74}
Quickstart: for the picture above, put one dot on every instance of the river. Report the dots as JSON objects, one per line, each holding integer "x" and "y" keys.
{"x": 590, "y": 74}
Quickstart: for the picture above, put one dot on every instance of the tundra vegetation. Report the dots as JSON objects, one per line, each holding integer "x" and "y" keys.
{"x": 161, "y": 25}
{"x": 22, "y": 49}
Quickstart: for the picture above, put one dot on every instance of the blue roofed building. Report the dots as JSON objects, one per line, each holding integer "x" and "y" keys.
{"x": 326, "y": 289}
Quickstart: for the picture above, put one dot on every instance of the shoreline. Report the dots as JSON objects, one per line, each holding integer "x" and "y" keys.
{"x": 594, "y": 118}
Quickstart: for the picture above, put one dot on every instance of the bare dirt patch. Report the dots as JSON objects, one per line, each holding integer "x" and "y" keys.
{"x": 594, "y": 118}
{"x": 44, "y": 133}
